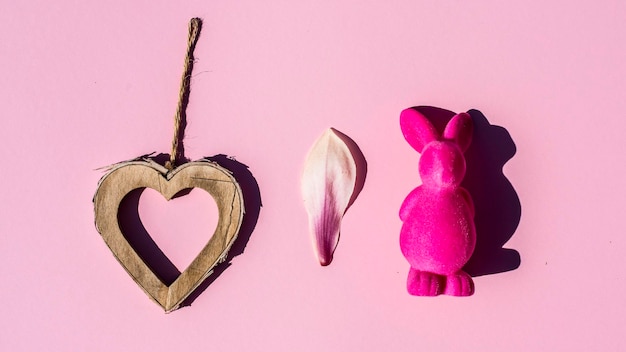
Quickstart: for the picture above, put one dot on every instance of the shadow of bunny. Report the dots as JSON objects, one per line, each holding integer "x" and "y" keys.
{"x": 498, "y": 208}
{"x": 141, "y": 241}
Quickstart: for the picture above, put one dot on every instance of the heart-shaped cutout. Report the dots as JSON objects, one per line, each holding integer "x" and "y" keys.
{"x": 126, "y": 177}
{"x": 179, "y": 227}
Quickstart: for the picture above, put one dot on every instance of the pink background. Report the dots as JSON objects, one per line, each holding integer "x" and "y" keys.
{"x": 87, "y": 84}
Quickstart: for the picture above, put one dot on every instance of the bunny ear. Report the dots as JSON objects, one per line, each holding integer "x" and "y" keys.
{"x": 460, "y": 129}
{"x": 417, "y": 130}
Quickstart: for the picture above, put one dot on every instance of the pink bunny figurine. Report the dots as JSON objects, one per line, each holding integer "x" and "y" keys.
{"x": 438, "y": 234}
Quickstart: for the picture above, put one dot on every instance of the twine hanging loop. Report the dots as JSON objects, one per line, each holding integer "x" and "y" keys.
{"x": 180, "y": 119}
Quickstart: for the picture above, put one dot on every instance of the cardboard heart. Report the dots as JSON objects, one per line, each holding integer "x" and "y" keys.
{"x": 209, "y": 176}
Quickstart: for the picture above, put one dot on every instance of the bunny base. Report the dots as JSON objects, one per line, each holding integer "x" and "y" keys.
{"x": 424, "y": 283}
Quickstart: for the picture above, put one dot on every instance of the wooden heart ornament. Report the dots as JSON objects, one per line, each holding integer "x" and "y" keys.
{"x": 209, "y": 176}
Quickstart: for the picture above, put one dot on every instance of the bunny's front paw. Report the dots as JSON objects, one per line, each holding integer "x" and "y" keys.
{"x": 423, "y": 283}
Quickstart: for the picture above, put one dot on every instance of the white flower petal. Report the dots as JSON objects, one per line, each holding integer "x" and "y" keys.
{"x": 328, "y": 183}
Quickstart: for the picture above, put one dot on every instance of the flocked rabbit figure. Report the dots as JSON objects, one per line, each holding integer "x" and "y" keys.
{"x": 438, "y": 234}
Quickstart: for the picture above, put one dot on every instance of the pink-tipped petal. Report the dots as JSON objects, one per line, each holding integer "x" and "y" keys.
{"x": 328, "y": 182}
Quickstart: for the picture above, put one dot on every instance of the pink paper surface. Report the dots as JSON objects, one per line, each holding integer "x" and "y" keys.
{"x": 87, "y": 84}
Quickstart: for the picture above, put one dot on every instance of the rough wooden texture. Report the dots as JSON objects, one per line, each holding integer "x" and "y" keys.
{"x": 131, "y": 175}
